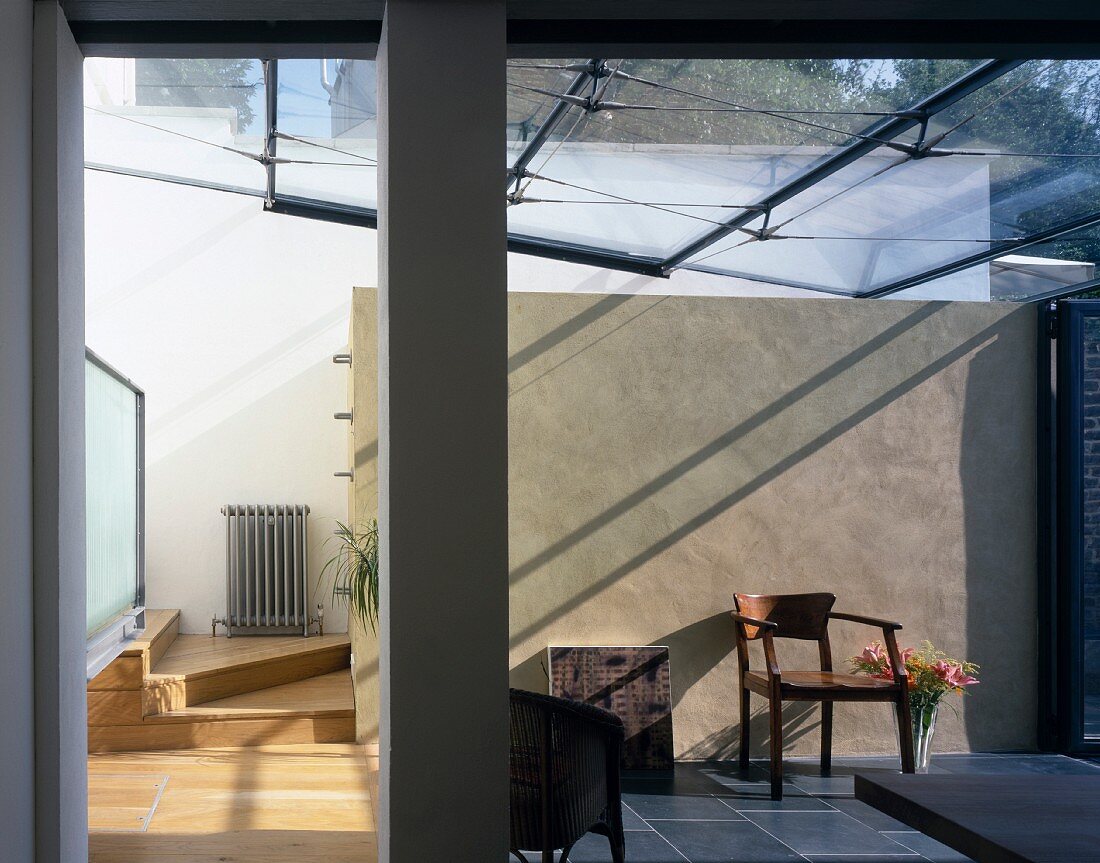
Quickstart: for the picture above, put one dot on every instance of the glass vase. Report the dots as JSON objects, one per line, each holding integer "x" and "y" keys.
{"x": 924, "y": 727}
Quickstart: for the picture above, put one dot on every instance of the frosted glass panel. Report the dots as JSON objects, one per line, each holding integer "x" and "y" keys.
{"x": 112, "y": 488}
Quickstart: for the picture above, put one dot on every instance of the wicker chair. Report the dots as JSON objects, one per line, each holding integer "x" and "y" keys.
{"x": 564, "y": 771}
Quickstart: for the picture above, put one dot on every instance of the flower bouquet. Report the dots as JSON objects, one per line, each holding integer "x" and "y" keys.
{"x": 932, "y": 674}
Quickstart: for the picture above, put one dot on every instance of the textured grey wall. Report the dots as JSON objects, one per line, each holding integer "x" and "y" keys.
{"x": 17, "y": 672}
{"x": 667, "y": 452}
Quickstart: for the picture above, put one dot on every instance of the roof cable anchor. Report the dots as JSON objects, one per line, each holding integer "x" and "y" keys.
{"x": 764, "y": 232}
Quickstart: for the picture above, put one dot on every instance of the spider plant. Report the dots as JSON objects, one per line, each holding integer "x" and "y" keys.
{"x": 355, "y": 571}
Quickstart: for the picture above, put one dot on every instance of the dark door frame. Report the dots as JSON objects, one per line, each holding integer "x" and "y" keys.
{"x": 1061, "y": 527}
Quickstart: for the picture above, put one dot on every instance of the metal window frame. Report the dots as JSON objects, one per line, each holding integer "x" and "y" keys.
{"x": 112, "y": 638}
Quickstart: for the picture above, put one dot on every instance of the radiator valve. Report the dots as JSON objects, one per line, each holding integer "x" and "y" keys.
{"x": 319, "y": 619}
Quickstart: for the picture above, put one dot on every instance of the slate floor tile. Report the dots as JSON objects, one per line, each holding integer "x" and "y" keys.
{"x": 934, "y": 851}
{"x": 724, "y": 842}
{"x": 865, "y": 814}
{"x": 632, "y": 820}
{"x": 825, "y": 785}
{"x": 687, "y": 778}
{"x": 640, "y": 848}
{"x": 749, "y": 798}
{"x": 650, "y": 806}
{"x": 824, "y": 833}
{"x": 728, "y": 773}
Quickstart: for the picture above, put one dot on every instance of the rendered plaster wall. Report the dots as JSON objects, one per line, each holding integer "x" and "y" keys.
{"x": 363, "y": 501}
{"x": 667, "y": 452}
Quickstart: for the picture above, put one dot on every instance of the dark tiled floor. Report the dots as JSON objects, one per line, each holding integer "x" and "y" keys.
{"x": 712, "y": 812}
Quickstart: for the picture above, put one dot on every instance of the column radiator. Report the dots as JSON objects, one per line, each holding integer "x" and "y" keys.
{"x": 266, "y": 570}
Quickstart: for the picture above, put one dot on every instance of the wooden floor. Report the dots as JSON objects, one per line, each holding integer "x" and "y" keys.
{"x": 265, "y": 804}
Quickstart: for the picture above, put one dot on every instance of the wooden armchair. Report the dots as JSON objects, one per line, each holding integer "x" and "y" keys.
{"x": 806, "y": 616}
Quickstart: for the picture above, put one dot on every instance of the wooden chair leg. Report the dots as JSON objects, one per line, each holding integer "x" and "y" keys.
{"x": 826, "y": 737}
{"x": 905, "y": 732}
{"x": 618, "y": 849}
{"x": 744, "y": 762}
{"x": 775, "y": 712}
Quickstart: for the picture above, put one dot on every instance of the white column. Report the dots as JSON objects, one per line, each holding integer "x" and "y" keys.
{"x": 57, "y": 330}
{"x": 443, "y": 432}
{"x": 17, "y": 608}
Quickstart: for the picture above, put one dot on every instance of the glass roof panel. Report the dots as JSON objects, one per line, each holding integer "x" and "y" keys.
{"x": 1054, "y": 266}
{"x": 677, "y": 147}
{"x": 192, "y": 120}
{"x": 647, "y": 158}
{"x": 1016, "y": 157}
{"x": 1045, "y": 267}
{"x": 880, "y": 219}
{"x": 327, "y": 143}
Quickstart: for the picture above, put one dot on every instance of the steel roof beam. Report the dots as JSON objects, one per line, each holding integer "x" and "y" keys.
{"x": 556, "y": 115}
{"x": 871, "y": 139}
{"x": 271, "y": 117}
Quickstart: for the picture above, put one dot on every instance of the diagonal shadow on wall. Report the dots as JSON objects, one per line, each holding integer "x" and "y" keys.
{"x": 739, "y": 431}
{"x": 760, "y": 480}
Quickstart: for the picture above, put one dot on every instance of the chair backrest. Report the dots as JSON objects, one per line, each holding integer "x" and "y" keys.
{"x": 796, "y": 615}
{"x": 564, "y": 768}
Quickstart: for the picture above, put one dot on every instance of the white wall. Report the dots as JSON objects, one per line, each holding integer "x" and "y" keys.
{"x": 228, "y": 317}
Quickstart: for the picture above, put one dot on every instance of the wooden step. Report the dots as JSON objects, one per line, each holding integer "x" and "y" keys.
{"x": 117, "y": 694}
{"x": 198, "y": 669}
{"x": 316, "y": 710}
{"x": 330, "y": 695}
{"x": 128, "y": 669}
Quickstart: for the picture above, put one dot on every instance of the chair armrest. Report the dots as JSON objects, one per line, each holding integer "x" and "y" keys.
{"x": 752, "y": 621}
{"x": 866, "y": 621}
{"x": 766, "y": 628}
{"x": 901, "y": 675}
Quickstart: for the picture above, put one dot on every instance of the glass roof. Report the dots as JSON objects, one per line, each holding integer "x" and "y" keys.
{"x": 948, "y": 178}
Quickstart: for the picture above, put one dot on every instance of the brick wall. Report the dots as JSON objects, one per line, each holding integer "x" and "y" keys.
{"x": 1091, "y": 485}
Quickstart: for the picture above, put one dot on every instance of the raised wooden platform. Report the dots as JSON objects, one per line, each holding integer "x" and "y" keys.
{"x": 172, "y": 691}
{"x": 1022, "y": 818}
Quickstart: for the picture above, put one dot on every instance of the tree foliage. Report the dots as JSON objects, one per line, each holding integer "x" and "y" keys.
{"x": 200, "y": 84}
